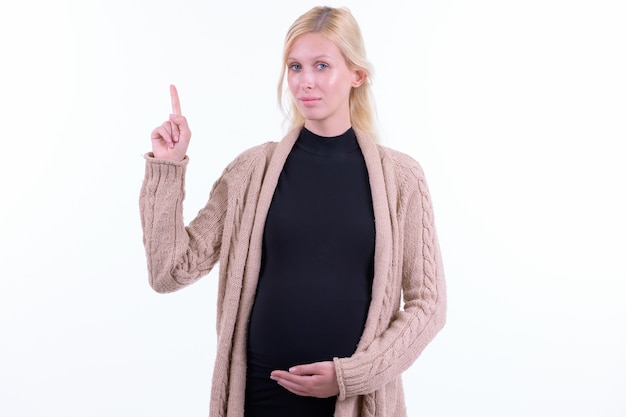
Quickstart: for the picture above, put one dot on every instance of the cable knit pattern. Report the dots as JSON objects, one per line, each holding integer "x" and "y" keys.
{"x": 408, "y": 303}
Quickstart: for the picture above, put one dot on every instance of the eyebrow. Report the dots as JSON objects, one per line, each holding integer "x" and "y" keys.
{"x": 316, "y": 58}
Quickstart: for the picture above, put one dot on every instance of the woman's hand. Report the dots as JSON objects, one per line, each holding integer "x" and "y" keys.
{"x": 312, "y": 380}
{"x": 171, "y": 139}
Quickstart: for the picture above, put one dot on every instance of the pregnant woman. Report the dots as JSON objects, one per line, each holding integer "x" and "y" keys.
{"x": 330, "y": 282}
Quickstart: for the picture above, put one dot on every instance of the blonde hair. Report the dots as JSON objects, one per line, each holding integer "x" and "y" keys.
{"x": 340, "y": 27}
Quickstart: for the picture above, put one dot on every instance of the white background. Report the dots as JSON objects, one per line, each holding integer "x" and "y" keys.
{"x": 515, "y": 109}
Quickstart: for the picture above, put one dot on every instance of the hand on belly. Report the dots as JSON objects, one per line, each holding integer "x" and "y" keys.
{"x": 310, "y": 380}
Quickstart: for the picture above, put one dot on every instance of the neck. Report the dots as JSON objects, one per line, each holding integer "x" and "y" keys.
{"x": 326, "y": 129}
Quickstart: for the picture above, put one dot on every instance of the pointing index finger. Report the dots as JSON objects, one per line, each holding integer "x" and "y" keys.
{"x": 175, "y": 101}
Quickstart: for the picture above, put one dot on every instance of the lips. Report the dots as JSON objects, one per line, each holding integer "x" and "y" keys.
{"x": 309, "y": 101}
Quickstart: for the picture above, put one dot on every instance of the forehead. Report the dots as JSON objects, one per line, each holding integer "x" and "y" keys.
{"x": 312, "y": 45}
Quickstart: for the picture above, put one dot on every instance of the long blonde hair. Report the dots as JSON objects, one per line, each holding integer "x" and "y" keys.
{"x": 340, "y": 27}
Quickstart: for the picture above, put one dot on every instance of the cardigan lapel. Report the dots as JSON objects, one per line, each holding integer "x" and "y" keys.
{"x": 383, "y": 246}
{"x": 270, "y": 181}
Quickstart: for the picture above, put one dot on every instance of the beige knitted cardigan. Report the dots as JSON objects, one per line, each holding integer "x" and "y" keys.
{"x": 229, "y": 229}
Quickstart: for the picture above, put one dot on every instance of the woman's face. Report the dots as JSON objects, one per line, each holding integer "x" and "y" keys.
{"x": 320, "y": 82}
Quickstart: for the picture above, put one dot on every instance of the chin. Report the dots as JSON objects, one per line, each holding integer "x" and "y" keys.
{"x": 310, "y": 115}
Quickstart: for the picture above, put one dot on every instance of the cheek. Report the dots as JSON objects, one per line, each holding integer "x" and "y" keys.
{"x": 292, "y": 82}
{"x": 338, "y": 82}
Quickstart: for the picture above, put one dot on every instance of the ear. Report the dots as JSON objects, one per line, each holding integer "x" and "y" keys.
{"x": 359, "y": 78}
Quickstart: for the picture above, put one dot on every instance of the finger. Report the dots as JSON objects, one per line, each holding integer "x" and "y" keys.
{"x": 294, "y": 383}
{"x": 181, "y": 124}
{"x": 159, "y": 133}
{"x": 284, "y": 375}
{"x": 294, "y": 389}
{"x": 307, "y": 369}
{"x": 167, "y": 128}
{"x": 175, "y": 127}
{"x": 163, "y": 132}
{"x": 175, "y": 100}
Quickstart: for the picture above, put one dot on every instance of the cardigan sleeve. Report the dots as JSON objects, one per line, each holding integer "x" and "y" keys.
{"x": 177, "y": 255}
{"x": 424, "y": 310}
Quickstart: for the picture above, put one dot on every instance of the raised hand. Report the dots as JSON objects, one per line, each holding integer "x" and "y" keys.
{"x": 311, "y": 380}
{"x": 171, "y": 139}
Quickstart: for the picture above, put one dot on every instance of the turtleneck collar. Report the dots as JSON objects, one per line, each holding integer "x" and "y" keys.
{"x": 327, "y": 146}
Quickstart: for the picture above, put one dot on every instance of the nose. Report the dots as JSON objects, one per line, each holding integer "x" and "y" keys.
{"x": 306, "y": 80}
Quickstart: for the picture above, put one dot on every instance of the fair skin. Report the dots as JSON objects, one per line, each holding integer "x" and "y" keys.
{"x": 171, "y": 139}
{"x": 320, "y": 82}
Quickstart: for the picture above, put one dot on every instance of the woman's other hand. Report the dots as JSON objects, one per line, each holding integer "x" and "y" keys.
{"x": 312, "y": 380}
{"x": 171, "y": 139}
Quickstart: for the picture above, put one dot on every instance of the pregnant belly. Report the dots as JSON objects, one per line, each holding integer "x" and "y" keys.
{"x": 311, "y": 323}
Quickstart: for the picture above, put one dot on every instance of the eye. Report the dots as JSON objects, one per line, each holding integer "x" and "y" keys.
{"x": 322, "y": 66}
{"x": 294, "y": 67}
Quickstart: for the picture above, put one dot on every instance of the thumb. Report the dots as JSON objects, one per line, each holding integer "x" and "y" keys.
{"x": 181, "y": 124}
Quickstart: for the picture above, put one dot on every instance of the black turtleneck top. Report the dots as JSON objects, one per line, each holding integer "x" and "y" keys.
{"x": 315, "y": 283}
